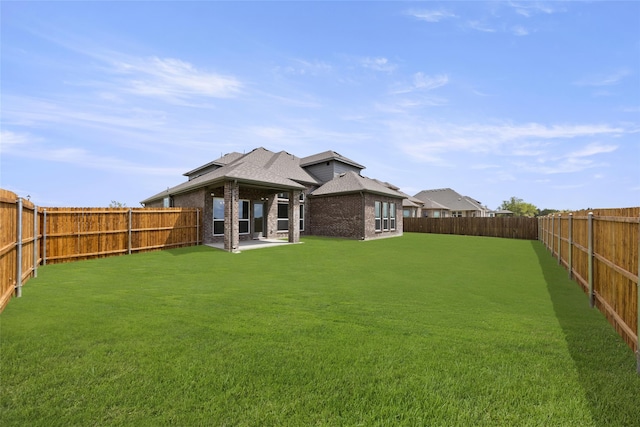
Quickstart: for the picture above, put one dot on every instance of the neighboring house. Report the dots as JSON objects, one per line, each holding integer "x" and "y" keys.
{"x": 412, "y": 207}
{"x": 266, "y": 194}
{"x": 444, "y": 202}
{"x": 499, "y": 213}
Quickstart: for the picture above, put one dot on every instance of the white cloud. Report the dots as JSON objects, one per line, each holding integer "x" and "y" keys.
{"x": 592, "y": 150}
{"x": 171, "y": 78}
{"x": 609, "y": 79}
{"x": 422, "y": 82}
{"x": 532, "y": 8}
{"x": 10, "y": 140}
{"x": 431, "y": 15}
{"x": 519, "y": 30}
{"x": 378, "y": 64}
{"x": 304, "y": 67}
{"x": 479, "y": 26}
{"x": 435, "y": 142}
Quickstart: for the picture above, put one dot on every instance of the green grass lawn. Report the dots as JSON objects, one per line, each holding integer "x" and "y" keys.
{"x": 425, "y": 329}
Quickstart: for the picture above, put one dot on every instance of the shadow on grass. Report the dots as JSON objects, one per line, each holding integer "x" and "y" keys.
{"x": 606, "y": 366}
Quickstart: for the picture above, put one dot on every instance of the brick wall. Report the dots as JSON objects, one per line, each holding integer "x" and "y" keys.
{"x": 336, "y": 216}
{"x": 350, "y": 215}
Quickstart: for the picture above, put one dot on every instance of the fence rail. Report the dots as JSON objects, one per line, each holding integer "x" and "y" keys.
{"x": 30, "y": 236}
{"x": 508, "y": 227}
{"x": 599, "y": 249}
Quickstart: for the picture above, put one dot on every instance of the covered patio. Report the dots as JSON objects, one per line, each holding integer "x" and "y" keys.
{"x": 245, "y": 245}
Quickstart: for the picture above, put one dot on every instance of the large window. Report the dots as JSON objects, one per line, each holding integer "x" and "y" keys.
{"x": 378, "y": 213}
{"x": 385, "y": 216}
{"x": 243, "y": 216}
{"x": 301, "y": 217}
{"x": 283, "y": 215}
{"x": 456, "y": 214}
{"x": 392, "y": 216}
{"x": 218, "y": 216}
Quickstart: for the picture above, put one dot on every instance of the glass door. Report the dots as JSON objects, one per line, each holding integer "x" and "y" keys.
{"x": 258, "y": 219}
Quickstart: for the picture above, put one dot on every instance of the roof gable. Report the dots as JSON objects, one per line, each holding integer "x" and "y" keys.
{"x": 326, "y": 156}
{"x": 351, "y": 182}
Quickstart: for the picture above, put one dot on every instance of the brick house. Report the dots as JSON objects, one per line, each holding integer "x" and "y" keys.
{"x": 445, "y": 202}
{"x": 263, "y": 194}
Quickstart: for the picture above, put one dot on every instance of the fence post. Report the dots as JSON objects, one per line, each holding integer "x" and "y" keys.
{"x": 18, "y": 286}
{"x": 590, "y": 265}
{"x": 35, "y": 241}
{"x": 44, "y": 237}
{"x": 130, "y": 226}
{"x": 570, "y": 256}
{"x": 559, "y": 239}
{"x": 638, "y": 308}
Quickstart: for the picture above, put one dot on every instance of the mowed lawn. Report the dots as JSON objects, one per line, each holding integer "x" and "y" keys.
{"x": 431, "y": 330}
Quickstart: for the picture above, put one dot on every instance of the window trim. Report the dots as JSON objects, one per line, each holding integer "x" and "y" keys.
{"x": 392, "y": 216}
{"x": 217, "y": 219}
{"x": 378, "y": 215}
{"x": 246, "y": 220}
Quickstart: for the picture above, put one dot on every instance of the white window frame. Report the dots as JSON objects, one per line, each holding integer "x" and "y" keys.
{"x": 247, "y": 213}
{"x": 219, "y": 220}
{"x": 378, "y": 215}
{"x": 392, "y": 216}
{"x": 385, "y": 216}
{"x": 283, "y": 222}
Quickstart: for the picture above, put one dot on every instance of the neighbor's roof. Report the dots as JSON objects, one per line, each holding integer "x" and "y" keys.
{"x": 327, "y": 156}
{"x": 430, "y": 204}
{"x": 410, "y": 201}
{"x": 448, "y": 199}
{"x": 259, "y": 167}
{"x": 351, "y": 182}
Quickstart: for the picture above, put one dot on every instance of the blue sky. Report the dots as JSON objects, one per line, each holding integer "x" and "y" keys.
{"x": 105, "y": 101}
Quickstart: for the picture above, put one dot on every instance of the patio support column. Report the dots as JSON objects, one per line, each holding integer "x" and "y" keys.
{"x": 294, "y": 216}
{"x": 231, "y": 223}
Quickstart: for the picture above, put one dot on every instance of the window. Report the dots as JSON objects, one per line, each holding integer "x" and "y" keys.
{"x": 392, "y": 216}
{"x": 456, "y": 214}
{"x": 301, "y": 217}
{"x": 378, "y": 214}
{"x": 436, "y": 214}
{"x": 167, "y": 202}
{"x": 406, "y": 213}
{"x": 283, "y": 216}
{"x": 385, "y": 216}
{"x": 243, "y": 216}
{"x": 218, "y": 216}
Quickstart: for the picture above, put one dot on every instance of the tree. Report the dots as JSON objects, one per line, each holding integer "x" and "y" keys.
{"x": 116, "y": 204}
{"x": 545, "y": 212}
{"x": 519, "y": 207}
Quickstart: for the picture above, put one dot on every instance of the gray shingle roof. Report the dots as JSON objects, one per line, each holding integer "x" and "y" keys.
{"x": 258, "y": 167}
{"x": 447, "y": 199}
{"x": 326, "y": 156}
{"x": 351, "y": 182}
{"x": 224, "y": 160}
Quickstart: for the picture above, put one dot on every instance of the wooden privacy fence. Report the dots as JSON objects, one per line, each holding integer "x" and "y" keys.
{"x": 70, "y": 234}
{"x": 30, "y": 236}
{"x": 18, "y": 244}
{"x": 599, "y": 248}
{"x": 509, "y": 227}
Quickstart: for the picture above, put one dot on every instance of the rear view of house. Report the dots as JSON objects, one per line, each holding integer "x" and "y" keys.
{"x": 263, "y": 194}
